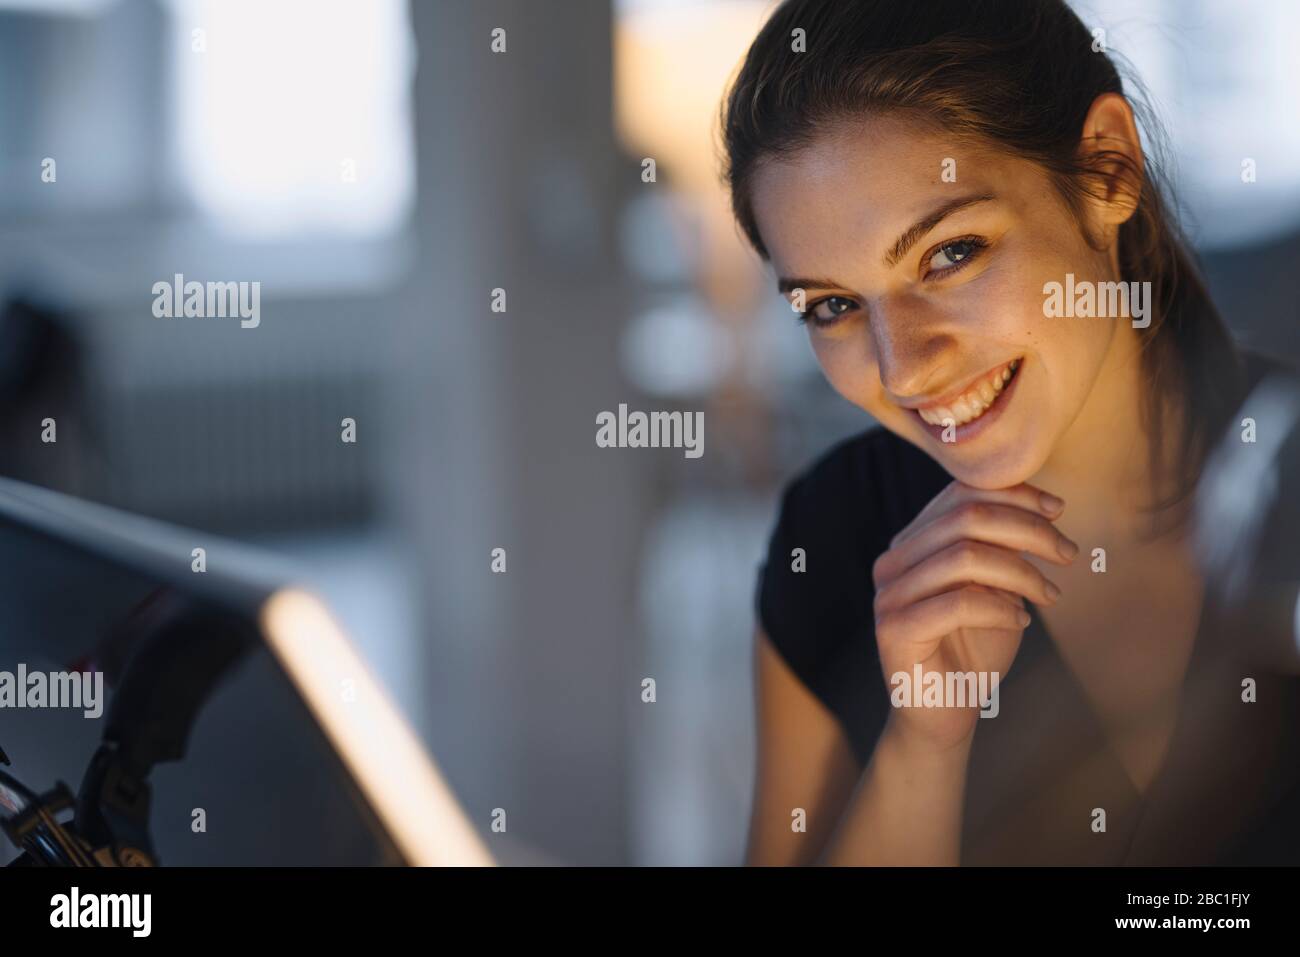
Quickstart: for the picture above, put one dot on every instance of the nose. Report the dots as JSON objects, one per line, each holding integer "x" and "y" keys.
{"x": 912, "y": 349}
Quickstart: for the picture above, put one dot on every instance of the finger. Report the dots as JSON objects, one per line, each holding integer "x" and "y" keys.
{"x": 1011, "y": 597}
{"x": 990, "y": 522}
{"x": 1026, "y": 496}
{"x": 964, "y": 562}
{"x": 924, "y": 624}
{"x": 977, "y": 635}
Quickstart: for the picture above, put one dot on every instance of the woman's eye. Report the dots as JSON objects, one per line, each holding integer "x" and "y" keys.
{"x": 826, "y": 312}
{"x": 953, "y": 255}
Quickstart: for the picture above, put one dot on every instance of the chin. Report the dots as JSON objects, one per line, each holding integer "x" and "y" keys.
{"x": 995, "y": 473}
{"x": 1012, "y": 455}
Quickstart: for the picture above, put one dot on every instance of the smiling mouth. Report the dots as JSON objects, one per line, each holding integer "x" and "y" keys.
{"x": 974, "y": 402}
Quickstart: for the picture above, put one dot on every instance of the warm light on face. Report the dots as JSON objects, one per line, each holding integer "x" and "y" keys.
{"x": 390, "y": 766}
{"x": 928, "y": 323}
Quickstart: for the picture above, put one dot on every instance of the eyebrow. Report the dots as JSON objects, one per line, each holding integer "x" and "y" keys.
{"x": 905, "y": 242}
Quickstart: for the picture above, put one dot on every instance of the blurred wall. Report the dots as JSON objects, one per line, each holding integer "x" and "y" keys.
{"x": 492, "y": 434}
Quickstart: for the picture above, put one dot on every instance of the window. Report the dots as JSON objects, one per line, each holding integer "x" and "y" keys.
{"x": 294, "y": 118}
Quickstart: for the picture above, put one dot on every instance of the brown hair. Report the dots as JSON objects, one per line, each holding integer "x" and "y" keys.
{"x": 1020, "y": 75}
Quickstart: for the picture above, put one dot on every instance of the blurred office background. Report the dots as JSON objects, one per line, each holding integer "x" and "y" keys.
{"x": 380, "y": 170}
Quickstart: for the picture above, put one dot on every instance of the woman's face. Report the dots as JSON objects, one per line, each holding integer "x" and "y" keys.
{"x": 923, "y": 266}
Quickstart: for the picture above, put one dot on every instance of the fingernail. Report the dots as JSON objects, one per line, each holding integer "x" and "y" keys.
{"x": 1051, "y": 503}
{"x": 1067, "y": 548}
{"x": 1053, "y": 592}
{"x": 1024, "y": 618}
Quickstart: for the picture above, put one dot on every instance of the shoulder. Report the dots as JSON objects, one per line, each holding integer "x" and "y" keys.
{"x": 871, "y": 485}
{"x": 814, "y": 592}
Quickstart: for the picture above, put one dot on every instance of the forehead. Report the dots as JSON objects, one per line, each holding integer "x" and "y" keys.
{"x": 849, "y": 193}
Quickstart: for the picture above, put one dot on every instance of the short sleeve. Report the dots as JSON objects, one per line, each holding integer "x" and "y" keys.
{"x": 814, "y": 592}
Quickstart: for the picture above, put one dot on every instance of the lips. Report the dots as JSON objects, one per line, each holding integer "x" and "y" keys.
{"x": 972, "y": 403}
{"x": 960, "y": 418}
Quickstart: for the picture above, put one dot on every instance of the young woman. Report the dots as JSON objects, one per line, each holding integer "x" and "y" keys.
{"x": 919, "y": 175}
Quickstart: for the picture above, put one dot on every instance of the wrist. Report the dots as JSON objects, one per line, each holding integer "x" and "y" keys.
{"x": 922, "y": 752}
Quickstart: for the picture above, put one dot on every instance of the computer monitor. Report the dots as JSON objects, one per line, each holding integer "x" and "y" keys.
{"x": 260, "y": 732}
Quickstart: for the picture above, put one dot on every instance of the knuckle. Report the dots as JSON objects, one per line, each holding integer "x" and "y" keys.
{"x": 880, "y": 569}
{"x": 885, "y": 627}
{"x": 972, "y": 514}
{"x": 879, "y": 602}
{"x": 967, "y": 554}
{"x": 965, "y": 601}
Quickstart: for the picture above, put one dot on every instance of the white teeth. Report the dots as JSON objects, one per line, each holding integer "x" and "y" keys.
{"x": 973, "y": 403}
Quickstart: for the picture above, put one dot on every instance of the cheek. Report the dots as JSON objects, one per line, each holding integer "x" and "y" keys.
{"x": 1006, "y": 308}
{"x": 1068, "y": 350}
{"x": 1003, "y": 306}
{"x": 849, "y": 364}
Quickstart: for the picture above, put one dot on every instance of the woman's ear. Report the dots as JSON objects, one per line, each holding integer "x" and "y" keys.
{"x": 1111, "y": 146}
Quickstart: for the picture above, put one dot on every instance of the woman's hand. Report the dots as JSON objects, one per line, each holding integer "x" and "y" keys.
{"x": 951, "y": 590}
